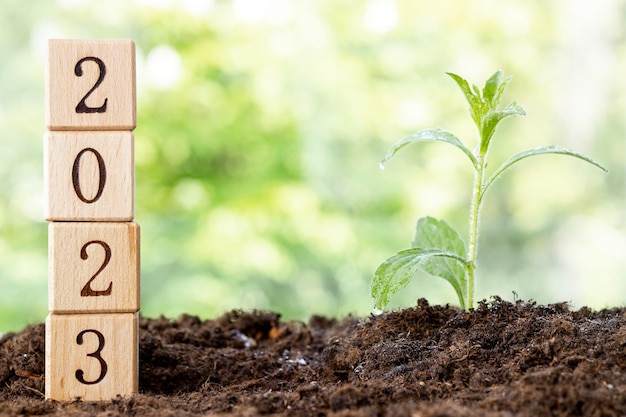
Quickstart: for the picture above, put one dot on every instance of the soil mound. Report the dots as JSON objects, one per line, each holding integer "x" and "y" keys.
{"x": 501, "y": 359}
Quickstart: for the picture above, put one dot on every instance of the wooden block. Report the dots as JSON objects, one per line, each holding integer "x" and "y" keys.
{"x": 89, "y": 176}
{"x": 90, "y": 85}
{"x": 91, "y": 356}
{"x": 93, "y": 267}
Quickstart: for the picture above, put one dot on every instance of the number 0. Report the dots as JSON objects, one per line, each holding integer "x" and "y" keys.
{"x": 101, "y": 177}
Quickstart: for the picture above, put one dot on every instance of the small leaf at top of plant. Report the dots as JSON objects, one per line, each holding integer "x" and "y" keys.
{"x": 477, "y": 106}
{"x": 494, "y": 88}
{"x": 492, "y": 119}
{"x": 483, "y": 106}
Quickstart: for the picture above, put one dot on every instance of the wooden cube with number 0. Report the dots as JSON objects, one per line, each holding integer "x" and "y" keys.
{"x": 90, "y": 85}
{"x": 89, "y": 176}
{"x": 93, "y": 267}
{"x": 91, "y": 356}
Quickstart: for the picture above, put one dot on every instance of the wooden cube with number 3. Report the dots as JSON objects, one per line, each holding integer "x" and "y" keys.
{"x": 90, "y": 85}
{"x": 93, "y": 267}
{"x": 89, "y": 176}
{"x": 91, "y": 356}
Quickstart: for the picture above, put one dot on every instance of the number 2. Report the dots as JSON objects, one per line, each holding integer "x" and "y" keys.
{"x": 82, "y": 107}
{"x": 87, "y": 291}
{"x": 80, "y": 374}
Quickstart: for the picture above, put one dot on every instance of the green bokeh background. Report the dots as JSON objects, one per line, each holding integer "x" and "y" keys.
{"x": 261, "y": 124}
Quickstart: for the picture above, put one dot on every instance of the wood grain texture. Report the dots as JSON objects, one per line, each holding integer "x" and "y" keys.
{"x": 101, "y": 350}
{"x": 65, "y": 89}
{"x": 73, "y": 170}
{"x": 93, "y": 267}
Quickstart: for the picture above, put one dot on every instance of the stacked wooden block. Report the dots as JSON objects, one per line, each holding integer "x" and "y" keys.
{"x": 93, "y": 278}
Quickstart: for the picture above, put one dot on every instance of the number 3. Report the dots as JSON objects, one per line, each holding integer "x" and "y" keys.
{"x": 80, "y": 374}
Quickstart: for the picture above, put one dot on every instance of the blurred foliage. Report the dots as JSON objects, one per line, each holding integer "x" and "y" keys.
{"x": 261, "y": 124}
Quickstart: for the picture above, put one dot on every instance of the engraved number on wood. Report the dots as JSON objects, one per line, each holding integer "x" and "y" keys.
{"x": 80, "y": 375}
{"x": 87, "y": 291}
{"x": 82, "y": 107}
{"x": 102, "y": 177}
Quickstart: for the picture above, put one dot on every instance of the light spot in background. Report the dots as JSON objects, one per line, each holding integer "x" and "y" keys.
{"x": 227, "y": 224}
{"x": 262, "y": 255}
{"x": 294, "y": 198}
{"x": 283, "y": 44}
{"x": 253, "y": 297}
{"x": 578, "y": 246}
{"x": 163, "y": 67}
{"x": 39, "y": 35}
{"x": 587, "y": 35}
{"x": 381, "y": 16}
{"x": 473, "y": 65}
{"x": 411, "y": 113}
{"x": 29, "y": 198}
{"x": 145, "y": 152}
{"x": 516, "y": 20}
{"x": 190, "y": 193}
{"x": 197, "y": 7}
{"x": 431, "y": 198}
{"x": 199, "y": 291}
{"x": 274, "y": 12}
{"x": 72, "y": 4}
{"x": 156, "y": 4}
{"x": 4, "y": 246}
{"x": 312, "y": 292}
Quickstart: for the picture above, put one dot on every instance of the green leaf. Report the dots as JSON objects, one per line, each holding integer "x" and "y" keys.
{"x": 483, "y": 107}
{"x": 491, "y": 87}
{"x": 433, "y": 233}
{"x": 494, "y": 88}
{"x": 477, "y": 105}
{"x": 477, "y": 91}
{"x": 464, "y": 85}
{"x": 495, "y": 102}
{"x": 493, "y": 118}
{"x": 428, "y": 135}
{"x": 396, "y": 272}
{"x": 538, "y": 151}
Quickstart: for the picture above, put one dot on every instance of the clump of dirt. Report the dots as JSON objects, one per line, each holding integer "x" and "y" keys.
{"x": 501, "y": 359}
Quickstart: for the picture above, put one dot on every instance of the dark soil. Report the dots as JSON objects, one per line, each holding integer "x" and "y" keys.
{"x": 502, "y": 359}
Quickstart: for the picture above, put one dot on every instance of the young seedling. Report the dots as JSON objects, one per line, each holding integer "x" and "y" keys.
{"x": 437, "y": 248}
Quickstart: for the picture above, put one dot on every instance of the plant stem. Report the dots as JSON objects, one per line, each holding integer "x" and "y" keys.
{"x": 477, "y": 199}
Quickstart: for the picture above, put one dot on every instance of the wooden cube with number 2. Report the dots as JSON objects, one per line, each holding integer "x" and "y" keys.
{"x": 90, "y": 85}
{"x": 93, "y": 267}
{"x": 89, "y": 176}
{"x": 91, "y": 356}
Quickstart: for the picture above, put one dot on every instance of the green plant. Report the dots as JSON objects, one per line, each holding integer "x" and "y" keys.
{"x": 437, "y": 248}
